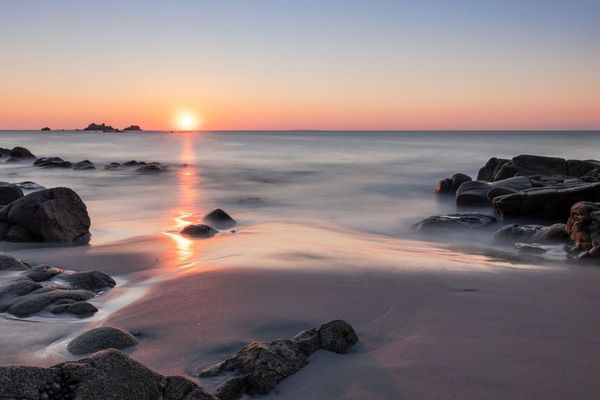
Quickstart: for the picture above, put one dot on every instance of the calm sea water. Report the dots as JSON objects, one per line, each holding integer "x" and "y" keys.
{"x": 377, "y": 182}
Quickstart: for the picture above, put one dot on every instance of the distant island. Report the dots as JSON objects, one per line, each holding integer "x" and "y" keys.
{"x": 133, "y": 128}
{"x": 108, "y": 128}
{"x": 46, "y": 129}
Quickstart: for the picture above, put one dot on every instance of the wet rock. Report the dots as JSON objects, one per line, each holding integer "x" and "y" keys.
{"x": 28, "y": 185}
{"x": 451, "y": 222}
{"x": 497, "y": 192}
{"x": 15, "y": 289}
{"x": 94, "y": 281}
{"x": 490, "y": 169}
{"x": 199, "y": 230}
{"x": 106, "y": 375}
{"x": 308, "y": 341}
{"x": 9, "y": 193}
{"x": 549, "y": 202}
{"x": 583, "y": 227}
{"x": 451, "y": 185}
{"x": 4, "y": 228}
{"x": 10, "y": 263}
{"x": 337, "y": 336}
{"x": 112, "y": 165}
{"x": 42, "y": 272}
{"x": 532, "y": 233}
{"x": 476, "y": 193}
{"x": 101, "y": 339}
{"x": 83, "y": 165}
{"x": 52, "y": 162}
{"x": 530, "y": 248}
{"x": 20, "y": 153}
{"x": 50, "y": 215}
{"x": 582, "y": 168}
{"x": 18, "y": 234}
{"x": 220, "y": 219}
{"x": 529, "y": 165}
{"x": 33, "y": 303}
{"x": 80, "y": 309}
{"x": 133, "y": 163}
{"x": 151, "y": 168}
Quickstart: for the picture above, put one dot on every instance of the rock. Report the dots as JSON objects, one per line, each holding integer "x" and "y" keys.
{"x": 582, "y": 168}
{"x": 46, "y": 129}
{"x": 151, "y": 168}
{"x": 10, "y": 263}
{"x": 133, "y": 163}
{"x": 15, "y": 289}
{"x": 530, "y": 248}
{"x": 555, "y": 233}
{"x": 18, "y": 234}
{"x": 42, "y": 272}
{"x": 100, "y": 127}
{"x": 133, "y": 128}
{"x": 308, "y": 341}
{"x": 497, "y": 192}
{"x": 80, "y": 309}
{"x": 337, "y": 336}
{"x": 530, "y": 164}
{"x": 450, "y": 222}
{"x": 101, "y": 339}
{"x": 9, "y": 193}
{"x": 50, "y": 215}
{"x": 549, "y": 202}
{"x": 199, "y": 230}
{"x": 82, "y": 165}
{"x": 583, "y": 227}
{"x": 220, "y": 219}
{"x": 476, "y": 193}
{"x": 25, "y": 306}
{"x": 106, "y": 375}
{"x": 94, "y": 281}
{"x": 532, "y": 233}
{"x": 113, "y": 165}
{"x": 451, "y": 185}
{"x": 490, "y": 169}
{"x": 19, "y": 153}
{"x": 28, "y": 185}
{"x": 52, "y": 162}
{"x": 4, "y": 228}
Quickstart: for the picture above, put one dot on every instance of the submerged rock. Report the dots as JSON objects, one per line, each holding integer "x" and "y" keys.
{"x": 199, "y": 230}
{"x": 450, "y": 222}
{"x": 52, "y": 162}
{"x": 106, "y": 375}
{"x": 532, "y": 233}
{"x": 101, "y": 339}
{"x": 42, "y": 272}
{"x": 50, "y": 215}
{"x": 28, "y": 185}
{"x": 151, "y": 168}
{"x": 113, "y": 165}
{"x": 80, "y": 309}
{"x": 83, "y": 165}
{"x": 451, "y": 185}
{"x": 20, "y": 153}
{"x": 220, "y": 219}
{"x": 35, "y": 302}
{"x": 10, "y": 263}
{"x": 9, "y": 193}
{"x": 94, "y": 281}
{"x": 583, "y": 227}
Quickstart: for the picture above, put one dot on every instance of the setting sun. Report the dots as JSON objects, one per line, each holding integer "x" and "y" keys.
{"x": 187, "y": 121}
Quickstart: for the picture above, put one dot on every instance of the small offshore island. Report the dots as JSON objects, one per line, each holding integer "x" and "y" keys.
{"x": 103, "y": 128}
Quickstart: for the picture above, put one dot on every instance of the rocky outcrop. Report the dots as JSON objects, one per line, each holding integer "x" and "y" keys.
{"x": 552, "y": 203}
{"x": 451, "y": 222}
{"x": 583, "y": 227}
{"x": 100, "y": 127}
{"x": 50, "y": 215}
{"x": 101, "y": 339}
{"x": 52, "y": 162}
{"x": 9, "y": 193}
{"x": 135, "y": 128}
{"x": 258, "y": 367}
{"x": 199, "y": 231}
{"x": 220, "y": 219}
{"x": 477, "y": 193}
{"x": 106, "y": 375}
{"x": 451, "y": 185}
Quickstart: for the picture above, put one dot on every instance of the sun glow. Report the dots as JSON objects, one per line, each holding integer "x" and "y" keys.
{"x": 187, "y": 121}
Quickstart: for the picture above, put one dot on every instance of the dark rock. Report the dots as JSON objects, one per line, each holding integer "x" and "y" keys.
{"x": 530, "y": 164}
{"x": 308, "y": 341}
{"x": 14, "y": 289}
{"x": 82, "y": 165}
{"x": 52, "y": 162}
{"x": 497, "y": 192}
{"x": 453, "y": 221}
{"x": 490, "y": 169}
{"x": 337, "y": 336}
{"x": 220, "y": 219}
{"x": 101, "y": 339}
{"x": 80, "y": 309}
{"x": 113, "y": 165}
{"x": 94, "y": 281}
{"x": 19, "y": 153}
{"x": 50, "y": 215}
{"x": 100, "y": 127}
{"x": 530, "y": 248}
{"x": 18, "y": 234}
{"x": 555, "y": 233}
{"x": 33, "y": 303}
{"x": 10, "y": 263}
{"x": 133, "y": 128}
{"x": 46, "y": 129}
{"x": 451, "y": 185}
{"x": 9, "y": 193}
{"x": 582, "y": 168}
{"x": 199, "y": 230}
{"x": 106, "y": 375}
{"x": 132, "y": 163}
{"x": 532, "y": 233}
{"x": 549, "y": 202}
{"x": 151, "y": 168}
{"x": 28, "y": 185}
{"x": 43, "y": 272}
{"x": 583, "y": 227}
{"x": 476, "y": 193}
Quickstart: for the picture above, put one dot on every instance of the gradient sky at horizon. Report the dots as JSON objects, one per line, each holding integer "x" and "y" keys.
{"x": 304, "y": 64}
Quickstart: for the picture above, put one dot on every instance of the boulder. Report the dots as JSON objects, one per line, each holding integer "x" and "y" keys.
{"x": 83, "y": 165}
{"x": 34, "y": 302}
{"x": 18, "y": 234}
{"x": 549, "y": 202}
{"x": 451, "y": 222}
{"x": 309, "y": 341}
{"x": 581, "y": 168}
{"x": 451, "y": 185}
{"x": 113, "y": 165}
{"x": 151, "y": 168}
{"x": 52, "y": 162}
{"x": 220, "y": 219}
{"x": 106, "y": 375}
{"x": 199, "y": 230}
{"x": 583, "y": 227}
{"x": 50, "y": 215}
{"x": 337, "y": 336}
{"x": 20, "y": 153}
{"x": 532, "y": 233}
{"x": 80, "y": 309}
{"x": 28, "y": 185}
{"x": 529, "y": 165}
{"x": 9, "y": 193}
{"x": 10, "y": 263}
{"x": 490, "y": 169}
{"x": 42, "y": 272}
{"x": 101, "y": 339}
{"x": 94, "y": 281}
{"x": 476, "y": 193}
{"x": 14, "y": 289}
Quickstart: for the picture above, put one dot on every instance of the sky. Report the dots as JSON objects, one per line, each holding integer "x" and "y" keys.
{"x": 302, "y": 64}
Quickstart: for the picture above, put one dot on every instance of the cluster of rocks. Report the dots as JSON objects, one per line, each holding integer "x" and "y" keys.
{"x": 566, "y": 192}
{"x": 258, "y": 367}
{"x": 48, "y": 215}
{"x": 140, "y": 166}
{"x": 49, "y": 289}
{"x": 108, "y": 128}
{"x": 217, "y": 218}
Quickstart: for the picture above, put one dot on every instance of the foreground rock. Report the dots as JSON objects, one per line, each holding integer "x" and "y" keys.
{"x": 220, "y": 219}
{"x": 106, "y": 375}
{"x": 549, "y": 202}
{"x": 49, "y": 289}
{"x": 583, "y": 227}
{"x": 480, "y": 193}
{"x": 19, "y": 153}
{"x": 450, "y": 222}
{"x": 513, "y": 233}
{"x": 451, "y": 185}
{"x": 9, "y": 193}
{"x": 258, "y": 367}
{"x": 50, "y": 215}
{"x": 199, "y": 231}
{"x": 101, "y": 339}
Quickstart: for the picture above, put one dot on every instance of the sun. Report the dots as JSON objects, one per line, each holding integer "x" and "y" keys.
{"x": 187, "y": 121}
